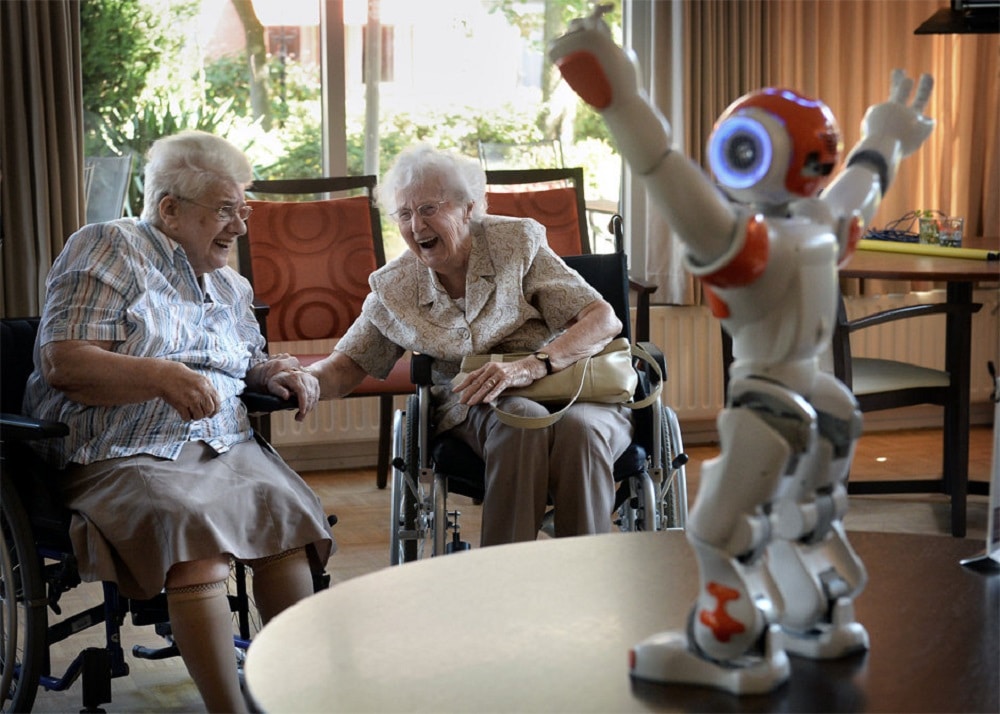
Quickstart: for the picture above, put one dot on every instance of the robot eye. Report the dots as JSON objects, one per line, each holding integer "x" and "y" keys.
{"x": 740, "y": 152}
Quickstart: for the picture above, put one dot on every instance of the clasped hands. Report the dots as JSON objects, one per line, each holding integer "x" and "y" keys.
{"x": 283, "y": 376}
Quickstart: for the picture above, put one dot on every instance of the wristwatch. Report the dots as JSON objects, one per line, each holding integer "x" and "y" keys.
{"x": 543, "y": 357}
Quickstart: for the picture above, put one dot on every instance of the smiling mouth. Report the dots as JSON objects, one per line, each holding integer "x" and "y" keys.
{"x": 428, "y": 243}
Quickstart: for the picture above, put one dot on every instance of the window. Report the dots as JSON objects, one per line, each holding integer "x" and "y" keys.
{"x": 452, "y": 72}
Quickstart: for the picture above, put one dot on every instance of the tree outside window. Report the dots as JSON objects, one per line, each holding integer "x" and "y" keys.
{"x": 453, "y": 72}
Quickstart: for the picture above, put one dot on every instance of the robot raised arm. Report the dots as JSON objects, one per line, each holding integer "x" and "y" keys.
{"x": 606, "y": 77}
{"x": 890, "y": 131}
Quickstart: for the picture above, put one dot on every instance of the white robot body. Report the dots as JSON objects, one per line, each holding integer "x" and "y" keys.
{"x": 777, "y": 573}
{"x": 782, "y": 320}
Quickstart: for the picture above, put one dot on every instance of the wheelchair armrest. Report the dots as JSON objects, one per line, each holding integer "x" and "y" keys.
{"x": 21, "y": 428}
{"x": 643, "y": 289}
{"x": 420, "y": 369}
{"x": 657, "y": 354}
{"x": 262, "y": 403}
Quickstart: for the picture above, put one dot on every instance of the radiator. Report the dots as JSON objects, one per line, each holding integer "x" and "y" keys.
{"x": 344, "y": 433}
{"x": 341, "y": 433}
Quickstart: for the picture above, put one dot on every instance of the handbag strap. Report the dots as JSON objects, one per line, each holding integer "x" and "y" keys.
{"x": 643, "y": 354}
{"x": 540, "y": 422}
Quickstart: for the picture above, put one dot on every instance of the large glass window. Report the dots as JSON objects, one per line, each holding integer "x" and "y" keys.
{"x": 462, "y": 74}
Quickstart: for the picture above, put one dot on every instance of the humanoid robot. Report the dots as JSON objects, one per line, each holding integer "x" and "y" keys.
{"x": 778, "y": 575}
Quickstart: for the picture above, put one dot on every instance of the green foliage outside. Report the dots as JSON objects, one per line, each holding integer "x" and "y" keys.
{"x": 141, "y": 82}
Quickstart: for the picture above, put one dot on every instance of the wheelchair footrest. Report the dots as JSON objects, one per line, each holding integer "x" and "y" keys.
{"x": 143, "y": 652}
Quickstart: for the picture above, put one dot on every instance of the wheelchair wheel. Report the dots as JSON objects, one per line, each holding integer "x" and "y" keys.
{"x": 413, "y": 493}
{"x": 397, "y": 486}
{"x": 22, "y": 606}
{"x": 412, "y": 515}
{"x": 639, "y": 512}
{"x": 672, "y": 499}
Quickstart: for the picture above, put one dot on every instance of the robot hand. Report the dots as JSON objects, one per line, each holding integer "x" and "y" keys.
{"x": 607, "y": 77}
{"x": 906, "y": 124}
{"x": 892, "y": 130}
{"x": 592, "y": 64}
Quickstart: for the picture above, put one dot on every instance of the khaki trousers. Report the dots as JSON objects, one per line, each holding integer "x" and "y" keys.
{"x": 570, "y": 462}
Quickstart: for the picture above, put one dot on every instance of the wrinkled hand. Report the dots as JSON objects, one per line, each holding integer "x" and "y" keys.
{"x": 592, "y": 64}
{"x": 297, "y": 381}
{"x": 897, "y": 120}
{"x": 189, "y": 393}
{"x": 485, "y": 384}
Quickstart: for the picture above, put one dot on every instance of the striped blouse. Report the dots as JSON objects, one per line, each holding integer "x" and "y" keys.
{"x": 127, "y": 283}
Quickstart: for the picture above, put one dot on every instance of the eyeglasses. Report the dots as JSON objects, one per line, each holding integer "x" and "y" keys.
{"x": 424, "y": 210}
{"x": 225, "y": 212}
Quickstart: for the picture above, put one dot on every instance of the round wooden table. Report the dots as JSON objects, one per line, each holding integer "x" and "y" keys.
{"x": 547, "y": 626}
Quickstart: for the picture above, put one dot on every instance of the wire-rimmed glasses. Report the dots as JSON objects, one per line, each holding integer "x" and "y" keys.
{"x": 226, "y": 212}
{"x": 424, "y": 210}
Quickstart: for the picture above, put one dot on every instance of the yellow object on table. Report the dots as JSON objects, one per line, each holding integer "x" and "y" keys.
{"x": 941, "y": 251}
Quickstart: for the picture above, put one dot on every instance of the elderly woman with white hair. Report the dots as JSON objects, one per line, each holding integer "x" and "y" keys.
{"x": 473, "y": 283}
{"x": 146, "y": 342}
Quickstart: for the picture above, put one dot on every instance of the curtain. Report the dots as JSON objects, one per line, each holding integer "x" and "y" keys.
{"x": 955, "y": 170}
{"x": 41, "y": 145}
{"x": 722, "y": 55}
{"x": 730, "y": 47}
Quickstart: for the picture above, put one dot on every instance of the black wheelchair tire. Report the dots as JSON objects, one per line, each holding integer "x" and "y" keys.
{"x": 673, "y": 499}
{"x": 410, "y": 505}
{"x": 23, "y": 620}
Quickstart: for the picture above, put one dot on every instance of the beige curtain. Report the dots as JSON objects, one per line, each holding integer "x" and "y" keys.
{"x": 956, "y": 170}
{"x": 41, "y": 145}
{"x": 843, "y": 51}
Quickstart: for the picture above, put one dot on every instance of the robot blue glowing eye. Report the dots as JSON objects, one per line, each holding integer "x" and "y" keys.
{"x": 740, "y": 152}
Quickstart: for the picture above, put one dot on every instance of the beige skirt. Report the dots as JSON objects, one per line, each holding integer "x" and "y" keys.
{"x": 135, "y": 517}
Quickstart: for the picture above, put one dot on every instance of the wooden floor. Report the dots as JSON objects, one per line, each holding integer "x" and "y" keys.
{"x": 363, "y": 537}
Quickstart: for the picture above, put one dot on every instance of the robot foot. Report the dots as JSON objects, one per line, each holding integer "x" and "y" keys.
{"x": 841, "y": 637}
{"x": 667, "y": 657}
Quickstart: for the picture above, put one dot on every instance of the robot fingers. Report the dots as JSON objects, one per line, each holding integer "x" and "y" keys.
{"x": 597, "y": 69}
{"x": 900, "y": 86}
{"x": 924, "y": 87}
{"x": 903, "y": 85}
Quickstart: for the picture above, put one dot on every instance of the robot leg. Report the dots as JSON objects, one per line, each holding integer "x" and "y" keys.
{"x": 813, "y": 565}
{"x": 730, "y": 642}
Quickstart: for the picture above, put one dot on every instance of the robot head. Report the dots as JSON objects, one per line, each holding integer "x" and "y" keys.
{"x": 774, "y": 145}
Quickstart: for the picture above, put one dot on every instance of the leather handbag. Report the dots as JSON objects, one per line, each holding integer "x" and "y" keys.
{"x": 607, "y": 377}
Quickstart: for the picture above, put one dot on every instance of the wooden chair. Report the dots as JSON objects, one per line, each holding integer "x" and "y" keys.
{"x": 308, "y": 255}
{"x": 882, "y": 384}
{"x": 555, "y": 198}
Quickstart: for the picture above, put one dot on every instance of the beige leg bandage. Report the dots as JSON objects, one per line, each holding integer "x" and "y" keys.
{"x": 203, "y": 630}
{"x": 280, "y": 581}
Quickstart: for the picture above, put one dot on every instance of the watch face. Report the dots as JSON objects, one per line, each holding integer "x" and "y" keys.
{"x": 542, "y": 356}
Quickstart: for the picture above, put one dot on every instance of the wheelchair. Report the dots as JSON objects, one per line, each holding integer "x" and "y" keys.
{"x": 37, "y": 565}
{"x": 651, "y": 487}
